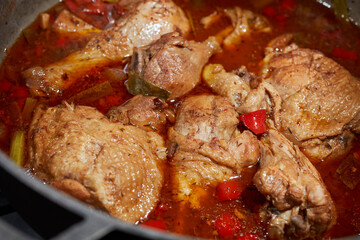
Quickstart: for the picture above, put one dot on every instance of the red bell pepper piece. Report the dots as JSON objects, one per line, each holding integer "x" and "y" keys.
{"x": 248, "y": 236}
{"x": 227, "y": 225}
{"x": 156, "y": 224}
{"x": 255, "y": 121}
{"x": 228, "y": 190}
{"x": 345, "y": 54}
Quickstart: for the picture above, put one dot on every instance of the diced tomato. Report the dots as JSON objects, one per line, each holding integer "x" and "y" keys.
{"x": 269, "y": 11}
{"x": 255, "y": 121}
{"x": 287, "y": 5}
{"x": 248, "y": 236}
{"x": 5, "y": 85}
{"x": 228, "y": 190}
{"x": 345, "y": 54}
{"x": 156, "y": 224}
{"x": 227, "y": 225}
{"x": 161, "y": 209}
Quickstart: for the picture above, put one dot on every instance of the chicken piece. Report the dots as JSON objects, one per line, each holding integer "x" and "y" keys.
{"x": 244, "y": 22}
{"x": 147, "y": 113}
{"x": 209, "y": 146}
{"x": 236, "y": 87}
{"x": 109, "y": 165}
{"x": 303, "y": 206}
{"x": 226, "y": 84}
{"x": 320, "y": 98}
{"x": 145, "y": 22}
{"x": 67, "y": 22}
{"x": 172, "y": 63}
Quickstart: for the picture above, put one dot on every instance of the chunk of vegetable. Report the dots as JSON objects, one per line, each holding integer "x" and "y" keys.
{"x": 138, "y": 85}
{"x": 227, "y": 225}
{"x": 155, "y": 224}
{"x": 44, "y": 20}
{"x": 29, "y": 106}
{"x": 255, "y": 121}
{"x": 92, "y": 94}
{"x": 17, "y": 147}
{"x": 228, "y": 190}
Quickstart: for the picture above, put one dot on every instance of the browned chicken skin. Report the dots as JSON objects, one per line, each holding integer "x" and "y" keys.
{"x": 145, "y": 22}
{"x": 147, "y": 113}
{"x": 210, "y": 148}
{"x": 320, "y": 99}
{"x": 303, "y": 206}
{"x": 173, "y": 63}
{"x": 112, "y": 166}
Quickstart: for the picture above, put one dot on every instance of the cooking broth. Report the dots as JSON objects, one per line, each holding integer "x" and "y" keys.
{"x": 313, "y": 26}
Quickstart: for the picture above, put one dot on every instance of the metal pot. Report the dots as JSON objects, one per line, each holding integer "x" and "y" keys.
{"x": 51, "y": 213}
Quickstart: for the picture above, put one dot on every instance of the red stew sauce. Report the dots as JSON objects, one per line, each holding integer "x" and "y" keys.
{"x": 313, "y": 25}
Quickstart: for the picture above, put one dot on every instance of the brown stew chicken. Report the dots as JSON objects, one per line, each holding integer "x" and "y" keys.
{"x": 216, "y": 119}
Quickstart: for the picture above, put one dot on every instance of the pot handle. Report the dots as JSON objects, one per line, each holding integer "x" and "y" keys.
{"x": 7, "y": 231}
{"x": 89, "y": 228}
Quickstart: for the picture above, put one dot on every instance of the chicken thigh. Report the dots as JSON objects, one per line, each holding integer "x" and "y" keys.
{"x": 209, "y": 146}
{"x": 171, "y": 63}
{"x": 302, "y": 206}
{"x": 109, "y": 165}
{"x": 320, "y": 99}
{"x": 146, "y": 21}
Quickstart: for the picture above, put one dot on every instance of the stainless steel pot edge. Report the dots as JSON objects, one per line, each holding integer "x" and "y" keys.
{"x": 95, "y": 224}
{"x": 353, "y": 7}
{"x": 14, "y": 18}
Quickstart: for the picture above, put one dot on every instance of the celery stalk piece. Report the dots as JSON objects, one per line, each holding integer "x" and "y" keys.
{"x": 29, "y": 106}
{"x": 17, "y": 147}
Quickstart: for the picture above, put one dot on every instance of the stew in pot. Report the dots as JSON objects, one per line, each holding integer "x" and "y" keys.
{"x": 214, "y": 119}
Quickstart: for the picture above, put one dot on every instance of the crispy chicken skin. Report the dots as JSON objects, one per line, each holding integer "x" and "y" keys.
{"x": 145, "y": 22}
{"x": 112, "y": 166}
{"x": 303, "y": 206}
